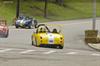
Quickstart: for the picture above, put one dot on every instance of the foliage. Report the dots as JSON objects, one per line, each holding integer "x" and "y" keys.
{"x": 72, "y": 9}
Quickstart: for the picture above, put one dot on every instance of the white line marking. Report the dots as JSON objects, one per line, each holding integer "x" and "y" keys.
{"x": 77, "y": 50}
{"x": 71, "y": 53}
{"x": 95, "y": 54}
{"x": 5, "y": 50}
{"x": 49, "y": 52}
{"x": 27, "y": 51}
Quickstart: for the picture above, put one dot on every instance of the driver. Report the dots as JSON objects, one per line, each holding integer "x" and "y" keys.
{"x": 54, "y": 30}
{"x": 42, "y": 30}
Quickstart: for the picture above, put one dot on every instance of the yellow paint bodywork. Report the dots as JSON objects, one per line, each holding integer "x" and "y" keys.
{"x": 43, "y": 38}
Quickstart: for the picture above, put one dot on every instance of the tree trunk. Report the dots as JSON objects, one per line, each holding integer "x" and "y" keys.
{"x": 45, "y": 8}
{"x": 60, "y": 2}
{"x": 17, "y": 8}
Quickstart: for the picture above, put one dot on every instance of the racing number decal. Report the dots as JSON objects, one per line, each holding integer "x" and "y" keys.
{"x": 50, "y": 39}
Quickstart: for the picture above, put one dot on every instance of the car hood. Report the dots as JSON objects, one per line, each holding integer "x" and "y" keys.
{"x": 23, "y": 21}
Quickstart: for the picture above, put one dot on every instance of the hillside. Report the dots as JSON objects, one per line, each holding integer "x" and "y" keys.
{"x": 71, "y": 10}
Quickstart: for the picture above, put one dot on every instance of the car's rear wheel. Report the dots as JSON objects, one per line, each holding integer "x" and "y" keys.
{"x": 29, "y": 27}
{"x": 35, "y": 42}
{"x": 32, "y": 40}
{"x": 32, "y": 43}
{"x": 59, "y": 47}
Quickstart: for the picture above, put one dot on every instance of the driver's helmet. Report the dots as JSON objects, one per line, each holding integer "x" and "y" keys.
{"x": 21, "y": 17}
{"x": 42, "y": 30}
{"x": 54, "y": 30}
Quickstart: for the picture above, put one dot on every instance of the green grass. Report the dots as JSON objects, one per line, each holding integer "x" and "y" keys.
{"x": 73, "y": 10}
{"x": 7, "y": 11}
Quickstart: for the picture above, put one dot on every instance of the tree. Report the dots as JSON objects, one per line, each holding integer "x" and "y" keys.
{"x": 17, "y": 8}
{"x": 45, "y": 8}
{"x": 60, "y": 2}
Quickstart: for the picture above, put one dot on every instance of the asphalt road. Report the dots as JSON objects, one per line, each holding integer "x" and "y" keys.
{"x": 16, "y": 50}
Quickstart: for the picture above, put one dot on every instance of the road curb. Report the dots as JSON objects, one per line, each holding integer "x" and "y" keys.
{"x": 94, "y": 46}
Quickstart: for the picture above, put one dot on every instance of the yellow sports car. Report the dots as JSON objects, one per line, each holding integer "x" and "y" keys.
{"x": 42, "y": 36}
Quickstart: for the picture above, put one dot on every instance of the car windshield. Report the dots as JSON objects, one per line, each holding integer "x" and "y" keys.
{"x": 54, "y": 28}
{"x": 48, "y": 28}
{"x": 42, "y": 29}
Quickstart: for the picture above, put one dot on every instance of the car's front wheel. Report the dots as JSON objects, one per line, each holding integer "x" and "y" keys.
{"x": 16, "y": 26}
{"x": 29, "y": 27}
